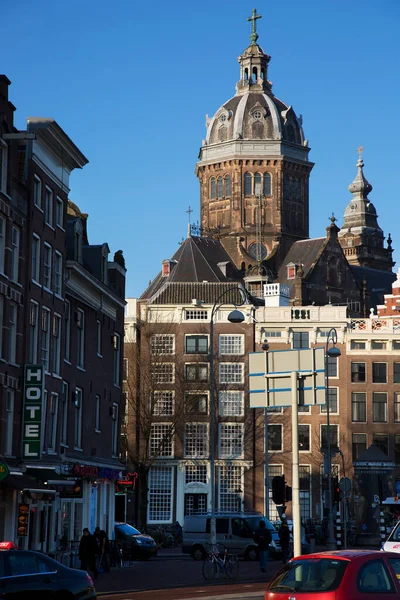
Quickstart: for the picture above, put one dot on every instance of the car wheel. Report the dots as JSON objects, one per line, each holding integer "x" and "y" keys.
{"x": 251, "y": 553}
{"x": 198, "y": 553}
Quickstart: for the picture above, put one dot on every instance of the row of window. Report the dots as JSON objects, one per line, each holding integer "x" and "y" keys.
{"x": 43, "y": 198}
{"x": 379, "y": 372}
{"x": 380, "y": 410}
{"x": 9, "y": 323}
{"x": 164, "y": 344}
{"x": 228, "y": 373}
{"x": 230, "y": 403}
{"x": 51, "y": 276}
{"x": 375, "y": 345}
{"x": 361, "y": 441}
{"x": 13, "y": 246}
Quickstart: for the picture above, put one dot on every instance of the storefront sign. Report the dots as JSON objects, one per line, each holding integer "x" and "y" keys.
{"x": 23, "y": 518}
{"x": 4, "y": 471}
{"x": 92, "y": 472}
{"x": 32, "y": 411}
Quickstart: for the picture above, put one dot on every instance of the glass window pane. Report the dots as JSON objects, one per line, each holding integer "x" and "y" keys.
{"x": 248, "y": 184}
{"x": 267, "y": 184}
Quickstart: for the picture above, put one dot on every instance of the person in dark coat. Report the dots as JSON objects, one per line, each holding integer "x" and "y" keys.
{"x": 103, "y": 549}
{"x": 262, "y": 538}
{"x": 88, "y": 552}
{"x": 284, "y": 536}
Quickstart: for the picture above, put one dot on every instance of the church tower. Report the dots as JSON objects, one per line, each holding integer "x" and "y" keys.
{"x": 253, "y": 169}
{"x": 360, "y": 236}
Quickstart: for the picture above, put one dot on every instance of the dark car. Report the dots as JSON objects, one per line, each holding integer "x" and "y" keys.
{"x": 28, "y": 574}
{"x": 134, "y": 545}
{"x": 338, "y": 575}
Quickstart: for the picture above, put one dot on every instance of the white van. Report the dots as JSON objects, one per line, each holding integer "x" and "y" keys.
{"x": 392, "y": 544}
{"x": 234, "y": 531}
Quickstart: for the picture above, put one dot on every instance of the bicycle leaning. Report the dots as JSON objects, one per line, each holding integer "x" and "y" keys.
{"x": 220, "y": 562}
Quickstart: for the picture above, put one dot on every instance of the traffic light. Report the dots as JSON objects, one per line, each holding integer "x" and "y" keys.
{"x": 288, "y": 493}
{"x": 335, "y": 491}
{"x": 278, "y": 489}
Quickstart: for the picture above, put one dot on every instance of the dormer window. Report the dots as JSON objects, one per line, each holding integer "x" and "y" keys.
{"x": 291, "y": 271}
{"x": 166, "y": 267}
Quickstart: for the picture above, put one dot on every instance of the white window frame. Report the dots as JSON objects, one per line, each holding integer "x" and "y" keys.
{"x": 322, "y": 408}
{"x": 67, "y": 344}
{"x": 59, "y": 212}
{"x": 48, "y": 206}
{"x": 114, "y": 431}
{"x": 309, "y": 438}
{"x": 58, "y": 273}
{"x": 3, "y": 231}
{"x": 13, "y": 326}
{"x": 35, "y": 258}
{"x": 269, "y": 437}
{"x": 9, "y": 421}
{"x": 190, "y": 400}
{"x": 167, "y": 451}
{"x": 15, "y": 246}
{"x": 78, "y": 412}
{"x": 231, "y": 403}
{"x": 229, "y": 435}
{"x": 230, "y": 488}
{"x": 196, "y": 440}
{"x": 97, "y": 414}
{"x": 47, "y": 266}
{"x": 99, "y": 338}
{"x": 164, "y": 403}
{"x": 37, "y": 192}
{"x": 305, "y": 496}
{"x": 195, "y": 473}
{"x": 45, "y": 338}
{"x": 163, "y": 372}
{"x": 231, "y": 372}
{"x": 80, "y": 338}
{"x": 56, "y": 350}
{"x": 162, "y": 344}
{"x": 231, "y": 344}
{"x": 160, "y": 495}
{"x": 117, "y": 358}
{"x": 33, "y": 331}
{"x": 64, "y": 414}
{"x": 197, "y": 366}
{"x": 51, "y": 425}
{"x": 195, "y": 314}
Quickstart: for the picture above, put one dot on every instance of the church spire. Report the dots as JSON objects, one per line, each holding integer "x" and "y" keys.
{"x": 253, "y": 64}
{"x": 253, "y": 19}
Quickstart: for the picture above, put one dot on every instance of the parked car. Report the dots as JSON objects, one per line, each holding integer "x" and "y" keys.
{"x": 338, "y": 575}
{"x": 134, "y": 545}
{"x": 25, "y": 573}
{"x": 234, "y": 531}
{"x": 392, "y": 544}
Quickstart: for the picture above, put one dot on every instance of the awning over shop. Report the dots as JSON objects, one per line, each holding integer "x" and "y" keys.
{"x": 23, "y": 482}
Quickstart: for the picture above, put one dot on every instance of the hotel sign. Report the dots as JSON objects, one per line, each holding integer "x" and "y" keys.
{"x": 32, "y": 411}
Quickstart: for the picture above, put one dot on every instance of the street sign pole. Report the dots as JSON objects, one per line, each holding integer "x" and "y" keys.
{"x": 295, "y": 470}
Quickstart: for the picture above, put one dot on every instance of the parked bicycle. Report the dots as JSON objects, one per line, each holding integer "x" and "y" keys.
{"x": 218, "y": 561}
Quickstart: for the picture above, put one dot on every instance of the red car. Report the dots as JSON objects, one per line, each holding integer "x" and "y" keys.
{"x": 339, "y": 575}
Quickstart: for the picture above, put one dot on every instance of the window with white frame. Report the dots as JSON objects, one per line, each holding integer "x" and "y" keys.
{"x": 275, "y": 438}
{"x": 35, "y": 258}
{"x": 304, "y": 438}
{"x": 67, "y": 339}
{"x": 332, "y": 366}
{"x": 334, "y": 435}
{"x": 78, "y": 410}
{"x": 97, "y": 413}
{"x": 195, "y": 315}
{"x": 196, "y": 403}
{"x": 273, "y": 471}
{"x": 9, "y": 422}
{"x": 80, "y": 338}
{"x": 3, "y": 224}
{"x": 51, "y": 422}
{"x": 48, "y": 206}
{"x": 37, "y": 192}
{"x": 45, "y": 339}
{"x": 56, "y": 348}
{"x": 163, "y": 372}
{"x": 164, "y": 403}
{"x": 3, "y": 166}
{"x": 231, "y": 403}
{"x": 231, "y": 344}
{"x": 14, "y": 261}
{"x": 379, "y": 407}
{"x": 64, "y": 413}
{"x": 272, "y": 333}
{"x": 117, "y": 358}
{"x": 231, "y": 440}
{"x": 1, "y": 325}
{"x": 230, "y": 488}
{"x": 161, "y": 443}
{"x": 196, "y": 372}
{"x": 12, "y": 328}
{"x": 305, "y": 491}
{"x": 231, "y": 372}
{"x": 99, "y": 344}
{"x": 333, "y": 401}
{"x": 196, "y": 344}
{"x": 59, "y": 212}
{"x": 47, "y": 256}
{"x": 161, "y": 343}
{"x": 195, "y": 474}
{"x": 160, "y": 495}
{"x": 196, "y": 440}
{"x": 114, "y": 439}
{"x": 58, "y": 273}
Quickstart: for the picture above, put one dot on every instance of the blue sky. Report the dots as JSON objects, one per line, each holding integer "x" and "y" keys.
{"x": 131, "y": 81}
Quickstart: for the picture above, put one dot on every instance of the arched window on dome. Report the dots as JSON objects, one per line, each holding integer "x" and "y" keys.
{"x": 227, "y": 186}
{"x": 222, "y": 133}
{"x": 257, "y": 183}
{"x": 257, "y": 130}
{"x": 246, "y": 74}
{"x": 267, "y": 184}
{"x": 220, "y": 188}
{"x": 248, "y": 184}
{"x": 254, "y": 75}
{"x": 212, "y": 188}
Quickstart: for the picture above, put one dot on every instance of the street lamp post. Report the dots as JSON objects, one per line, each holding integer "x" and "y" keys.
{"x": 332, "y": 352}
{"x": 235, "y": 316}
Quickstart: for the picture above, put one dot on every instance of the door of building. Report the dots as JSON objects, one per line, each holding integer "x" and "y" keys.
{"x": 195, "y": 503}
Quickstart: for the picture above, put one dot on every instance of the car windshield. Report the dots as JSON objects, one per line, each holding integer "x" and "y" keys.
{"x": 254, "y": 523}
{"x": 310, "y": 575}
{"x": 126, "y": 529}
{"x": 395, "y": 535}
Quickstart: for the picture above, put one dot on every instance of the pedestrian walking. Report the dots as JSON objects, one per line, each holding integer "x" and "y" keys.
{"x": 262, "y": 537}
{"x": 88, "y": 552}
{"x": 103, "y": 549}
{"x": 284, "y": 536}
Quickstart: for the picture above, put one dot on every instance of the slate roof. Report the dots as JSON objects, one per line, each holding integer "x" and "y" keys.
{"x": 208, "y": 293}
{"x": 304, "y": 252}
{"x": 378, "y": 282}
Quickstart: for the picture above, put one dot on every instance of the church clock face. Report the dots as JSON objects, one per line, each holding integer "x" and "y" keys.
{"x": 257, "y": 251}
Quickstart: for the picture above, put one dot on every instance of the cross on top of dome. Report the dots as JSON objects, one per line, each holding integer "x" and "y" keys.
{"x": 253, "y": 19}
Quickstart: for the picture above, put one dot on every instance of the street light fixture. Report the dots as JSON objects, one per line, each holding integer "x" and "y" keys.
{"x": 332, "y": 352}
{"x": 235, "y": 316}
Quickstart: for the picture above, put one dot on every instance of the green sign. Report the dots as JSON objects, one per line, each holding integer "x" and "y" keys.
{"x": 32, "y": 411}
{"x": 4, "y": 471}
